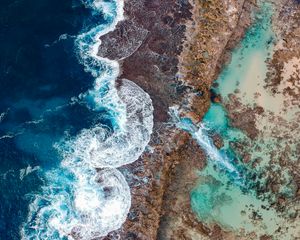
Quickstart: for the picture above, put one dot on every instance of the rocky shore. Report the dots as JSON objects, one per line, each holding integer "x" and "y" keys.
{"x": 174, "y": 50}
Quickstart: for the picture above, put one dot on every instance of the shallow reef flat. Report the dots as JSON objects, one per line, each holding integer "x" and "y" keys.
{"x": 256, "y": 96}
{"x": 231, "y": 68}
{"x": 258, "y": 134}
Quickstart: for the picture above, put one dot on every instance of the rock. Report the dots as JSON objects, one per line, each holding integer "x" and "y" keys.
{"x": 158, "y": 40}
{"x": 218, "y": 141}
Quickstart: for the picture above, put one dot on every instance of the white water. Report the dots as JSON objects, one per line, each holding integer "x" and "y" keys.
{"x": 200, "y": 134}
{"x": 99, "y": 149}
{"x": 213, "y": 153}
{"x": 78, "y": 202}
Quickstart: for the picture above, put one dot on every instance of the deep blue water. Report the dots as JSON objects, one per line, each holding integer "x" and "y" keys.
{"x": 39, "y": 74}
{"x": 61, "y": 118}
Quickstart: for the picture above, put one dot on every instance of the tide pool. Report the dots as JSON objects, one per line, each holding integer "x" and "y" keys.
{"x": 227, "y": 190}
{"x": 247, "y": 70}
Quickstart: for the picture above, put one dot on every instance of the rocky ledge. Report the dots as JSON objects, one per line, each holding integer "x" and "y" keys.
{"x": 173, "y": 49}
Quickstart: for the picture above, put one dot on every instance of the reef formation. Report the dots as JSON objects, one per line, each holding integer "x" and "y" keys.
{"x": 175, "y": 50}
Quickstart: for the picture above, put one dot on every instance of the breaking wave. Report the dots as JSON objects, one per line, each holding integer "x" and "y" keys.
{"x": 125, "y": 145}
{"x": 82, "y": 204}
{"x": 78, "y": 201}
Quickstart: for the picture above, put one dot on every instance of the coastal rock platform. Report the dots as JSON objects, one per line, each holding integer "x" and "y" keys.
{"x": 174, "y": 50}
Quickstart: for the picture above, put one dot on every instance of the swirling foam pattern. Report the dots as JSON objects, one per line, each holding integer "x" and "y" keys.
{"x": 77, "y": 201}
{"x": 125, "y": 145}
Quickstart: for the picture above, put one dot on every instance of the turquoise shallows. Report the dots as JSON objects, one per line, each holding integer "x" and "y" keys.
{"x": 218, "y": 197}
{"x": 248, "y": 68}
{"x": 216, "y": 118}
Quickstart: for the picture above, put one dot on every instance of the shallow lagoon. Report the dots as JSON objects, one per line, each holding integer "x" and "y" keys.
{"x": 219, "y": 197}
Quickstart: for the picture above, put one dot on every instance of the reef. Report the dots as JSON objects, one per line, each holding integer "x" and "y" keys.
{"x": 281, "y": 83}
{"x": 174, "y": 50}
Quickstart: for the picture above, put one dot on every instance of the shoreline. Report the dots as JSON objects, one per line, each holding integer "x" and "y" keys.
{"x": 150, "y": 216}
{"x": 162, "y": 178}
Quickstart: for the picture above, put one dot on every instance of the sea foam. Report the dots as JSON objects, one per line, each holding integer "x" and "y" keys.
{"x": 99, "y": 149}
{"x": 78, "y": 201}
{"x": 200, "y": 134}
{"x": 86, "y": 205}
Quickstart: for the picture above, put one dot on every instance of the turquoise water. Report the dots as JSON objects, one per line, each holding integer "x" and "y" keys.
{"x": 226, "y": 191}
{"x": 248, "y": 65}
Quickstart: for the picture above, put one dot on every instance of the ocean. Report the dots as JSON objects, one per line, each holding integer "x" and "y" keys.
{"x": 61, "y": 118}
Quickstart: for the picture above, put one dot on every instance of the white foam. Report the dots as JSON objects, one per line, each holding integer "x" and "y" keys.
{"x": 105, "y": 71}
{"x": 25, "y": 171}
{"x": 3, "y": 115}
{"x": 199, "y": 133}
{"x": 213, "y": 153}
{"x": 101, "y": 203}
{"x": 78, "y": 202}
{"x": 99, "y": 149}
{"x": 6, "y": 136}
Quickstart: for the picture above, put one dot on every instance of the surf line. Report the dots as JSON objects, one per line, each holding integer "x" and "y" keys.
{"x": 78, "y": 201}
